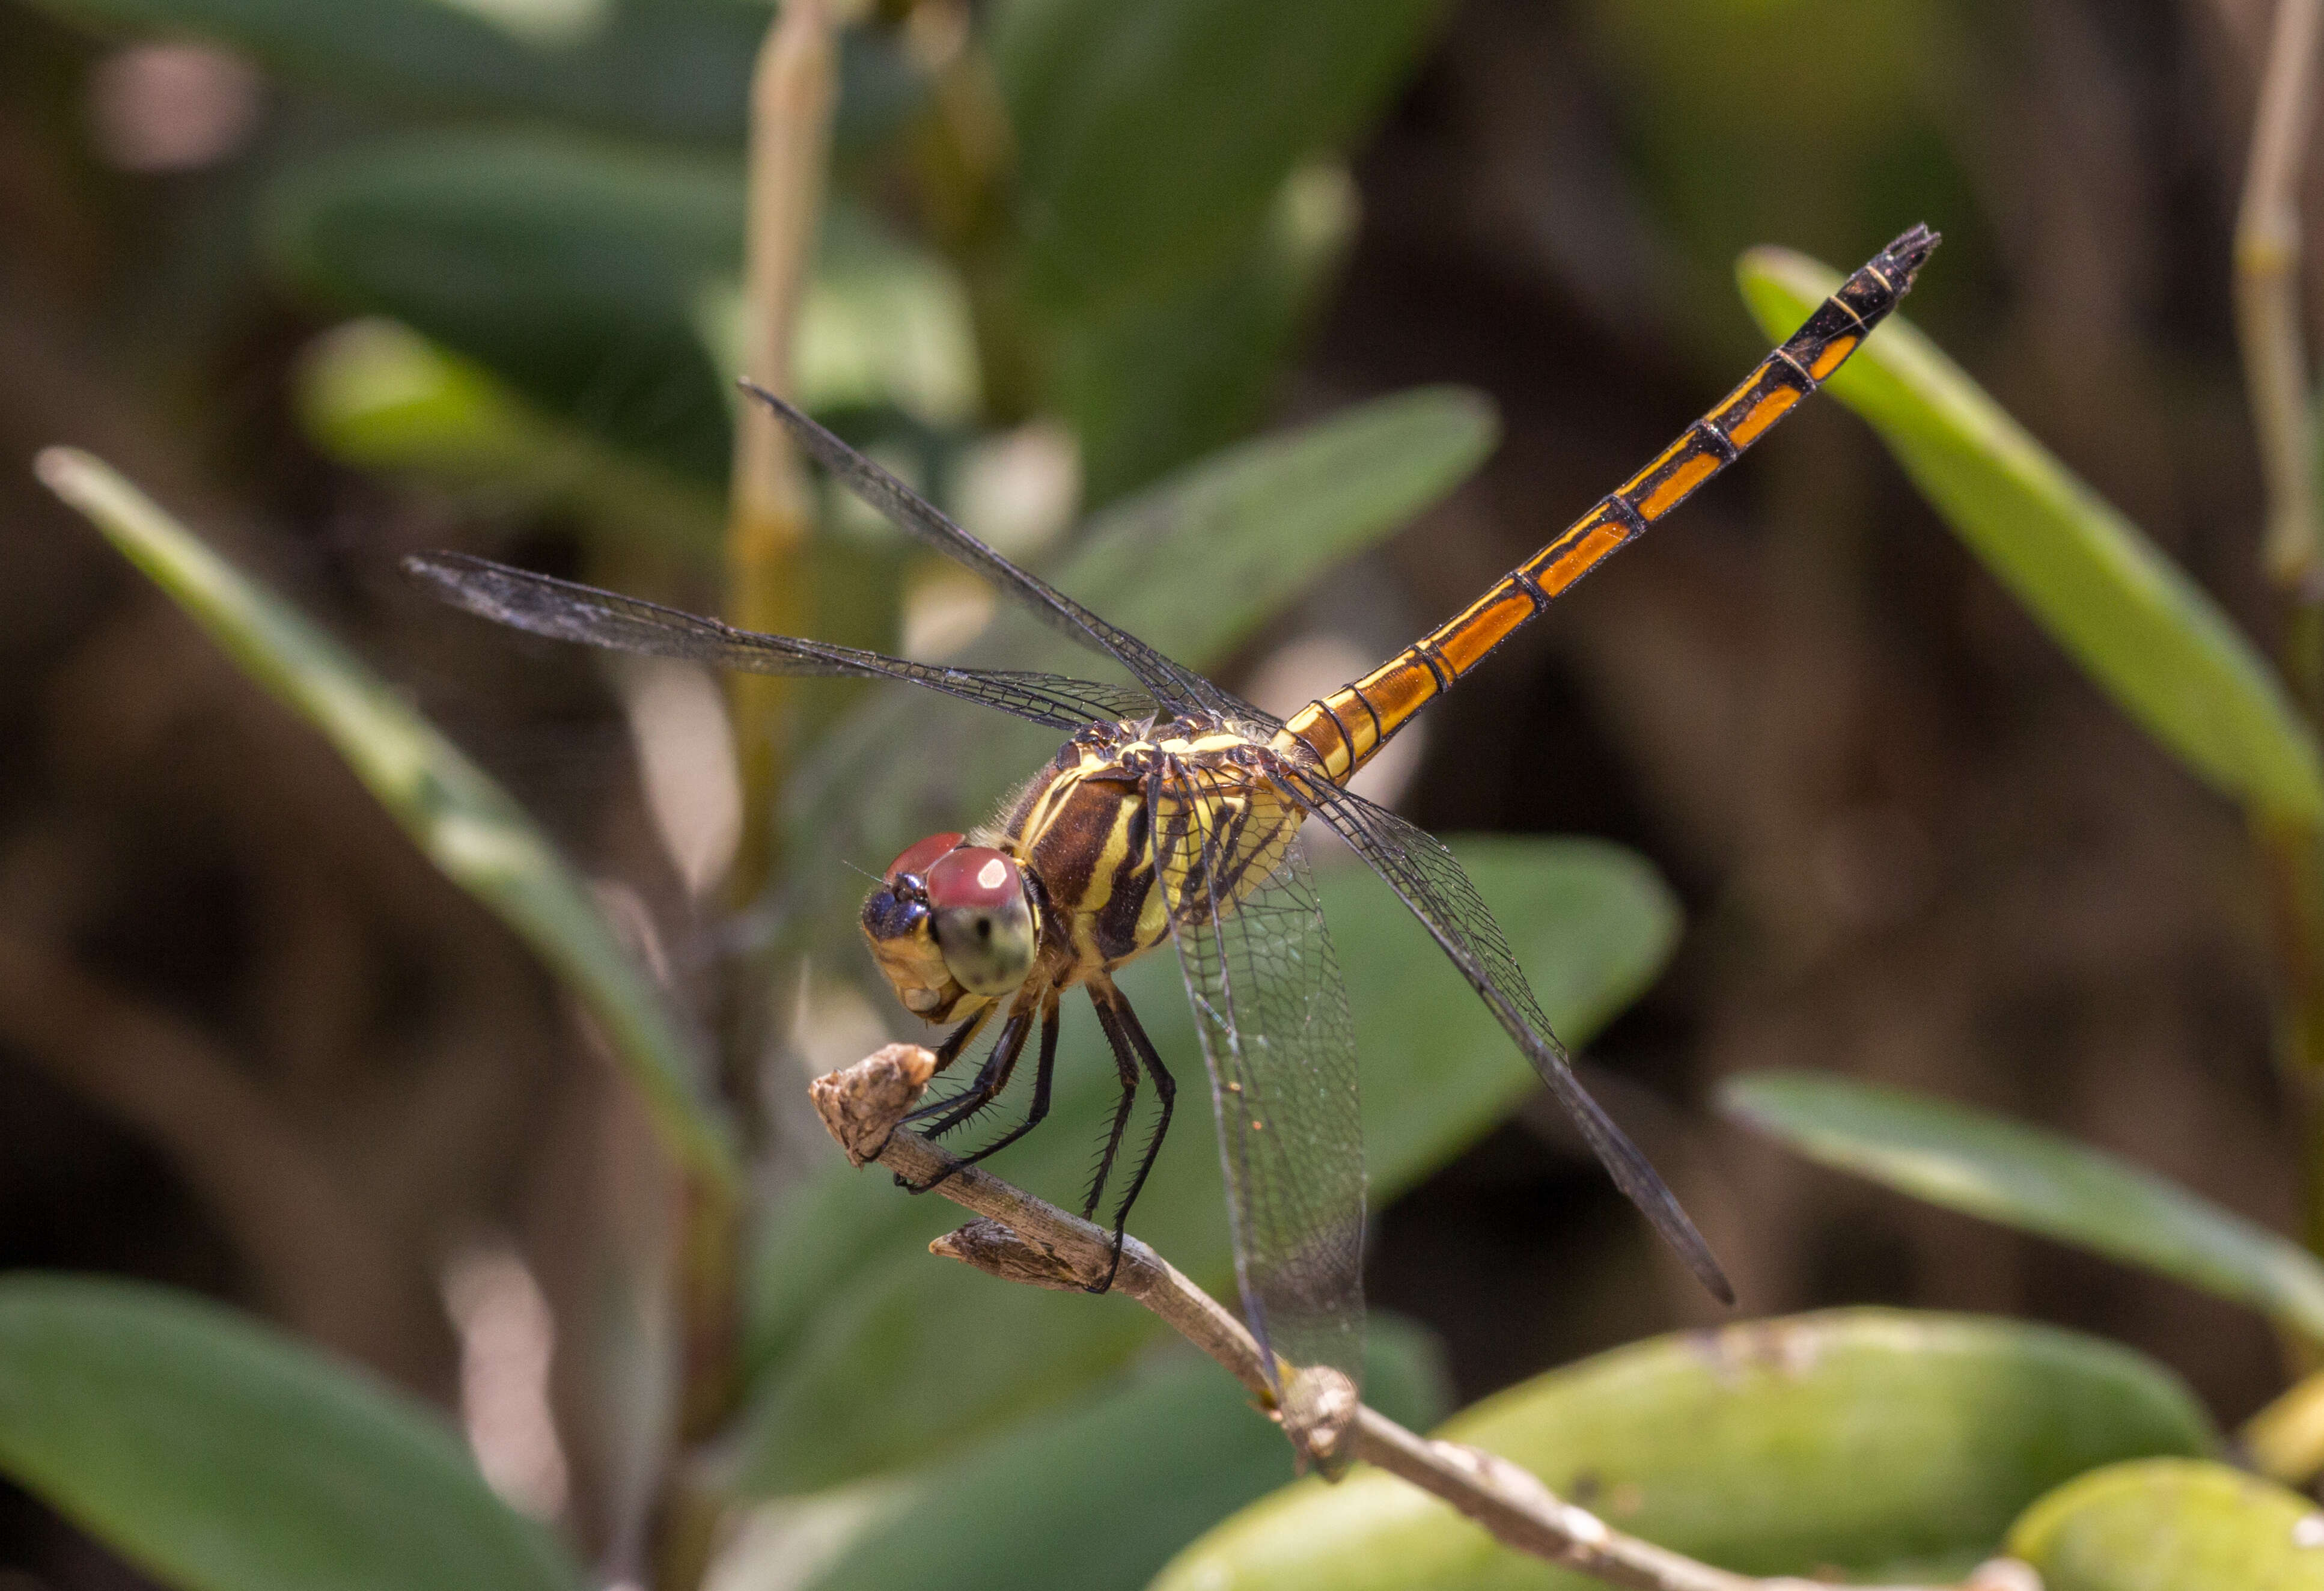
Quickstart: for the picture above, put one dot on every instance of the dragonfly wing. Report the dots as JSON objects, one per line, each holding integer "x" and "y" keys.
{"x": 1172, "y": 684}
{"x": 1273, "y": 1014}
{"x": 1431, "y": 880}
{"x": 564, "y": 610}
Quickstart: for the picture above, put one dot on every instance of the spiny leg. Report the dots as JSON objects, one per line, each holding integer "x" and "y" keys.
{"x": 1124, "y": 1030}
{"x": 1125, "y": 1064}
{"x": 990, "y": 1080}
{"x": 961, "y": 1037}
{"x": 1043, "y": 1071}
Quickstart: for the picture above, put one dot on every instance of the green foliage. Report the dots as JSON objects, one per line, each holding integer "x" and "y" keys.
{"x": 2138, "y": 625}
{"x": 1153, "y": 137}
{"x": 2038, "y": 1182}
{"x": 221, "y": 1456}
{"x": 376, "y": 395}
{"x": 461, "y": 820}
{"x": 2168, "y": 1524}
{"x": 873, "y": 1357}
{"x": 1095, "y": 1495}
{"x": 576, "y": 271}
{"x": 1877, "y": 1443}
{"x": 1164, "y": 248}
{"x": 671, "y": 68}
{"x": 1167, "y": 379}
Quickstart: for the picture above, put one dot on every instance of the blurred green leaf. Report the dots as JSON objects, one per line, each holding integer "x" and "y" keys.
{"x": 1094, "y": 1496}
{"x": 671, "y": 69}
{"x": 1166, "y": 379}
{"x": 1151, "y": 138}
{"x": 870, "y": 1355}
{"x": 2036, "y": 1182}
{"x": 1870, "y": 1442}
{"x": 1195, "y": 565}
{"x": 377, "y": 395}
{"x": 2147, "y": 634}
{"x": 576, "y": 271}
{"x": 882, "y": 322}
{"x": 461, "y": 820}
{"x": 2170, "y": 1524}
{"x": 219, "y": 1457}
{"x": 1198, "y": 562}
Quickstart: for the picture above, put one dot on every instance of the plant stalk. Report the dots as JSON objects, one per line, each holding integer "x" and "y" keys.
{"x": 771, "y": 508}
{"x": 770, "y": 514}
{"x": 2270, "y": 332}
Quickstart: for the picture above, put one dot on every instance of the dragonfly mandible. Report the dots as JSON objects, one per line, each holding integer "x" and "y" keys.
{"x": 1171, "y": 813}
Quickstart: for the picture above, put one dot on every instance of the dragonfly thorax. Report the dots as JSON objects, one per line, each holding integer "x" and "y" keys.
{"x": 1090, "y": 826}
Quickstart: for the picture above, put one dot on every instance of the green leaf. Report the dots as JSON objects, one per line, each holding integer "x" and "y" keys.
{"x": 461, "y": 820}
{"x": 1151, "y": 138}
{"x": 1158, "y": 1455}
{"x": 2171, "y": 1524}
{"x": 872, "y": 1355}
{"x": 218, "y": 1456}
{"x": 882, "y": 322}
{"x": 673, "y": 67}
{"x": 2037, "y": 1181}
{"x": 1167, "y": 379}
{"x": 1872, "y": 1442}
{"x": 377, "y": 395}
{"x": 2138, "y": 626}
{"x": 579, "y": 272}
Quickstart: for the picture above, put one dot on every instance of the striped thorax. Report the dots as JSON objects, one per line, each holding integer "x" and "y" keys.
{"x": 1080, "y": 843}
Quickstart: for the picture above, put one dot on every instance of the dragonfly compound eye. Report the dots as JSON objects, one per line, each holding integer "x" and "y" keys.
{"x": 918, "y": 858}
{"x": 897, "y": 922}
{"x": 984, "y": 918}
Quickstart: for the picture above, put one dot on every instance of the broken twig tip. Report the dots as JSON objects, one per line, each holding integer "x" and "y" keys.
{"x": 998, "y": 1251}
{"x": 861, "y": 1103}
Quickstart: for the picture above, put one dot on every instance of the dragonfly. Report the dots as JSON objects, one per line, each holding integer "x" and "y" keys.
{"x": 1171, "y": 812}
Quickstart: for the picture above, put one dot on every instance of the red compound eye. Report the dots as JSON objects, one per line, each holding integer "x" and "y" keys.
{"x": 918, "y": 858}
{"x": 974, "y": 879}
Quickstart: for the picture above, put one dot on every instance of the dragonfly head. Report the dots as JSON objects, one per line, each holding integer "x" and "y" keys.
{"x": 951, "y": 920}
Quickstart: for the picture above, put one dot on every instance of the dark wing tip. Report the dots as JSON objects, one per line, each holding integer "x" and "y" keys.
{"x": 801, "y": 423}
{"x": 1712, "y": 1277}
{"x": 1643, "y": 1187}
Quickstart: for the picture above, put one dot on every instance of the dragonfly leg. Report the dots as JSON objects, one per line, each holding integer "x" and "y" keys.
{"x": 961, "y": 1037}
{"x": 1130, "y": 1046}
{"x": 1043, "y": 1071}
{"x": 1125, "y": 1062}
{"x": 990, "y": 1080}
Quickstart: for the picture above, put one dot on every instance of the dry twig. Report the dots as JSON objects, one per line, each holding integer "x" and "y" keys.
{"x": 1024, "y": 1239}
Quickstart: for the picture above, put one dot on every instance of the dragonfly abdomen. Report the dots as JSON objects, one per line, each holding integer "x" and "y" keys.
{"x": 1347, "y": 728}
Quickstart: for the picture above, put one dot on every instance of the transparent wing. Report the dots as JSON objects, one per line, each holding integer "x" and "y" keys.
{"x": 1418, "y": 867}
{"x": 1273, "y": 1014}
{"x": 564, "y": 610}
{"x": 1172, "y": 684}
